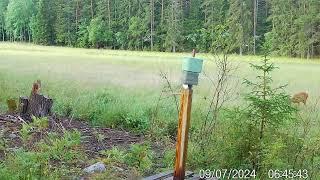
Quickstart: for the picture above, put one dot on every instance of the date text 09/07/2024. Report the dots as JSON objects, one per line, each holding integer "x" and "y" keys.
{"x": 249, "y": 174}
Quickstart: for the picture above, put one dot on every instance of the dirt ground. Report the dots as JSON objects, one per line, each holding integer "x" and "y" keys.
{"x": 90, "y": 142}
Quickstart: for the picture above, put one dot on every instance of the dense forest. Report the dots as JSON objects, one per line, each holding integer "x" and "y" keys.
{"x": 291, "y": 27}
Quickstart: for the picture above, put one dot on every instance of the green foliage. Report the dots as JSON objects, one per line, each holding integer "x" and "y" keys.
{"x": 136, "y": 120}
{"x": 167, "y": 25}
{"x": 114, "y": 155}
{"x": 169, "y": 158}
{"x": 267, "y": 105}
{"x": 25, "y": 132}
{"x": 37, "y": 164}
{"x": 18, "y": 16}
{"x": 25, "y": 165}
{"x": 140, "y": 156}
{"x": 42, "y": 23}
{"x": 239, "y": 22}
{"x": 294, "y": 24}
{"x": 3, "y": 140}
{"x": 65, "y": 148}
{"x": 136, "y": 32}
{"x": 83, "y": 35}
{"x": 99, "y": 34}
{"x": 65, "y": 27}
{"x": 268, "y": 109}
{"x": 40, "y": 123}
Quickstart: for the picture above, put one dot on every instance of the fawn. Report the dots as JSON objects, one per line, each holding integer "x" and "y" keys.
{"x": 300, "y": 97}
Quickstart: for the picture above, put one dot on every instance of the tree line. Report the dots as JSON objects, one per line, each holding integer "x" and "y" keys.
{"x": 290, "y": 27}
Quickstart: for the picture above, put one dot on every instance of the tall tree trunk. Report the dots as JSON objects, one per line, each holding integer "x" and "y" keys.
{"x": 21, "y": 34}
{"x": 77, "y": 13}
{"x": 29, "y": 35}
{"x": 129, "y": 10}
{"x": 151, "y": 21}
{"x": 162, "y": 11}
{"x": 109, "y": 15}
{"x": 255, "y": 14}
{"x": 91, "y": 9}
{"x": 2, "y": 32}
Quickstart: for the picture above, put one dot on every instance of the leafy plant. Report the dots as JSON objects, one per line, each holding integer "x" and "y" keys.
{"x": 140, "y": 156}
{"x": 40, "y": 123}
{"x": 25, "y": 132}
{"x": 137, "y": 120}
{"x": 114, "y": 155}
{"x": 63, "y": 148}
{"x": 3, "y": 140}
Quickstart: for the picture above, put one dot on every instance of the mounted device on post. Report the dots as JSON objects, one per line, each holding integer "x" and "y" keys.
{"x": 191, "y": 68}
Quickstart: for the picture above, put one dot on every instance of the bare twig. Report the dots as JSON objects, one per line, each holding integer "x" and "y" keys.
{"x": 23, "y": 121}
{"x": 164, "y": 76}
{"x": 221, "y": 92}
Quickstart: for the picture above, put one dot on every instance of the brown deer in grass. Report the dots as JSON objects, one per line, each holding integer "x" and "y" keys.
{"x": 300, "y": 97}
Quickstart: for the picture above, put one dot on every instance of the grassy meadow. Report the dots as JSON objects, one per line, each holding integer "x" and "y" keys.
{"x": 72, "y": 74}
{"x": 121, "y": 89}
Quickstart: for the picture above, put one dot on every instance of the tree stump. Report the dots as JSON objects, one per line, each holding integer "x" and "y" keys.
{"x": 24, "y": 102}
{"x": 37, "y": 104}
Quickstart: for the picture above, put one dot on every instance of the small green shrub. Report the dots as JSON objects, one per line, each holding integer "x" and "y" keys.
{"x": 3, "y": 140}
{"x": 140, "y": 157}
{"x": 172, "y": 129}
{"x": 40, "y": 123}
{"x": 63, "y": 148}
{"x": 37, "y": 163}
{"x": 25, "y": 132}
{"x": 169, "y": 158}
{"x": 114, "y": 155}
{"x": 137, "y": 121}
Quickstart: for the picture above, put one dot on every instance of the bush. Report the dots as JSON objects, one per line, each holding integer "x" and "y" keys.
{"x": 140, "y": 157}
{"x": 99, "y": 34}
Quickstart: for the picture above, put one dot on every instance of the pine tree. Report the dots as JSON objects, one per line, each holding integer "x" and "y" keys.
{"x": 99, "y": 36}
{"x": 83, "y": 20}
{"x": 65, "y": 27}
{"x": 239, "y": 20}
{"x": 291, "y": 27}
{"x": 43, "y": 22}
{"x": 3, "y": 8}
{"x": 306, "y": 23}
{"x": 174, "y": 26}
{"x": 215, "y": 12}
{"x": 18, "y": 15}
{"x": 269, "y": 107}
{"x": 282, "y": 18}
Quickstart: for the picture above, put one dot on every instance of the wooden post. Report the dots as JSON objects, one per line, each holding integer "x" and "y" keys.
{"x": 182, "y": 136}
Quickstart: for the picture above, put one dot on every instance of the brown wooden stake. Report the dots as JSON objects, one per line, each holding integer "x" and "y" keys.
{"x": 182, "y": 136}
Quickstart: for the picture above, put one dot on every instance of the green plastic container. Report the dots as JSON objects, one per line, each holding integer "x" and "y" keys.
{"x": 192, "y": 65}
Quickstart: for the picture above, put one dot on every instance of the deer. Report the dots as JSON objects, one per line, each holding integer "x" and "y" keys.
{"x": 300, "y": 97}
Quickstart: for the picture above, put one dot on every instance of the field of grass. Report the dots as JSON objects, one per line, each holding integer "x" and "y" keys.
{"x": 77, "y": 70}
{"x": 121, "y": 89}
{"x": 79, "y": 79}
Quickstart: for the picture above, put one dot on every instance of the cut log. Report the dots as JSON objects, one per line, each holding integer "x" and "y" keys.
{"x": 39, "y": 105}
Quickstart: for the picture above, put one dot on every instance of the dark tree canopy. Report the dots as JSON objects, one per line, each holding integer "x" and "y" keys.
{"x": 292, "y": 28}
